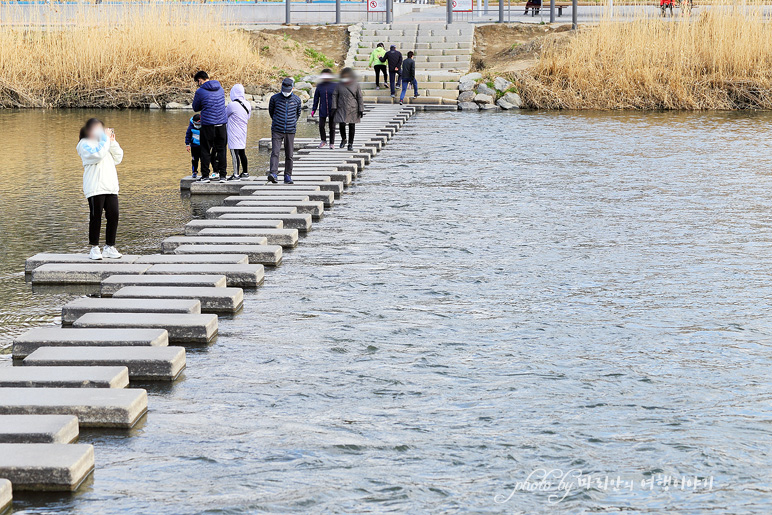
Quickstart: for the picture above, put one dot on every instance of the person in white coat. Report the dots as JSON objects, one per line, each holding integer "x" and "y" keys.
{"x": 100, "y": 153}
{"x": 238, "y": 113}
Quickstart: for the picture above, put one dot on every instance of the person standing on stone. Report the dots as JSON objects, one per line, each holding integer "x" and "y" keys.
{"x": 209, "y": 100}
{"x": 348, "y": 106}
{"x": 238, "y": 113}
{"x": 99, "y": 153}
{"x": 377, "y": 65}
{"x": 322, "y": 101}
{"x": 393, "y": 59}
{"x": 284, "y": 109}
{"x": 408, "y": 77}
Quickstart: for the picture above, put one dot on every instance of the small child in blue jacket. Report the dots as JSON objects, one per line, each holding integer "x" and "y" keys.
{"x": 193, "y": 142}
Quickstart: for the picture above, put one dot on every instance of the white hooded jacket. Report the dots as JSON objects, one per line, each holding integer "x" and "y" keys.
{"x": 238, "y": 113}
{"x": 99, "y": 159}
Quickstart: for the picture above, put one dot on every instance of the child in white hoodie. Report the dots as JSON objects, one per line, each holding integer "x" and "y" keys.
{"x": 100, "y": 153}
{"x": 238, "y": 113}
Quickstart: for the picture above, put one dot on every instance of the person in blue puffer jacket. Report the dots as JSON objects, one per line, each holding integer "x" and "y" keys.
{"x": 209, "y": 100}
{"x": 323, "y": 102}
{"x": 284, "y": 109}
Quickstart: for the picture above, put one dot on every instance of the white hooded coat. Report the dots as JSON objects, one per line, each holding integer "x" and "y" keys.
{"x": 99, "y": 159}
{"x": 238, "y": 113}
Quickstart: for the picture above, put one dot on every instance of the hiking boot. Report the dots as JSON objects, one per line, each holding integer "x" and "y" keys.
{"x": 273, "y": 178}
{"x": 95, "y": 253}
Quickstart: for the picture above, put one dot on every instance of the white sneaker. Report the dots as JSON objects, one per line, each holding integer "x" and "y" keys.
{"x": 95, "y": 253}
{"x": 111, "y": 252}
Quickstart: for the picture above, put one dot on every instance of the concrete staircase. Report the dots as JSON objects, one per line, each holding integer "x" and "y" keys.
{"x": 443, "y": 55}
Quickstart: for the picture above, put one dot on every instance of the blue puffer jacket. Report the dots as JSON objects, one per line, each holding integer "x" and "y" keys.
{"x": 323, "y": 98}
{"x": 284, "y": 112}
{"x": 210, "y": 101}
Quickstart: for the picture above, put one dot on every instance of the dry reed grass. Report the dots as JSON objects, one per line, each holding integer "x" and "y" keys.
{"x": 720, "y": 59}
{"x": 145, "y": 54}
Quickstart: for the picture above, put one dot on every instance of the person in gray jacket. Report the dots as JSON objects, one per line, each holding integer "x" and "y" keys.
{"x": 408, "y": 77}
{"x": 348, "y": 106}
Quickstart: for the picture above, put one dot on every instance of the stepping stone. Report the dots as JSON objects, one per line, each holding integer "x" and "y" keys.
{"x": 75, "y": 309}
{"x": 88, "y": 273}
{"x": 67, "y": 377}
{"x": 38, "y": 429}
{"x": 265, "y": 197}
{"x": 241, "y": 276}
{"x": 263, "y": 254}
{"x": 283, "y": 210}
{"x": 302, "y": 179}
{"x": 114, "y": 283}
{"x": 94, "y": 407}
{"x": 207, "y": 259}
{"x": 30, "y": 341}
{"x": 194, "y": 226}
{"x": 325, "y": 174}
{"x": 6, "y": 495}
{"x": 172, "y": 242}
{"x": 181, "y": 328}
{"x": 213, "y": 300}
{"x": 312, "y": 192}
{"x": 300, "y": 222}
{"x": 283, "y": 237}
{"x": 315, "y": 209}
{"x": 144, "y": 363}
{"x": 46, "y": 466}
{"x": 44, "y": 258}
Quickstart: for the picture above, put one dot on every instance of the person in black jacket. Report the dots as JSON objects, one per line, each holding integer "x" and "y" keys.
{"x": 393, "y": 58}
{"x": 408, "y": 77}
{"x": 284, "y": 109}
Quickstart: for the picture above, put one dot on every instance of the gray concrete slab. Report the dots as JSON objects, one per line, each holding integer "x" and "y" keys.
{"x": 194, "y": 226}
{"x": 281, "y": 210}
{"x": 138, "y": 363}
{"x": 172, "y": 242}
{"x": 45, "y": 258}
{"x": 28, "y": 342}
{"x": 82, "y": 273}
{"x": 241, "y": 276}
{"x": 116, "y": 282}
{"x": 315, "y": 209}
{"x": 182, "y": 328}
{"x": 79, "y": 307}
{"x": 269, "y": 255}
{"x": 66, "y": 377}
{"x": 208, "y": 259}
{"x": 46, "y": 466}
{"x": 38, "y": 429}
{"x": 266, "y": 197}
{"x": 302, "y": 222}
{"x": 213, "y": 300}
{"x": 94, "y": 407}
{"x": 284, "y": 237}
{"x": 327, "y": 174}
{"x": 328, "y": 197}
{"x": 301, "y": 178}
{"x": 6, "y": 495}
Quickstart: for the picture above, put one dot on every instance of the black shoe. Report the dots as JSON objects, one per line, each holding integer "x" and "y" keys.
{"x": 342, "y": 144}
{"x": 245, "y": 175}
{"x": 272, "y": 178}
{"x": 234, "y": 177}
{"x": 351, "y": 148}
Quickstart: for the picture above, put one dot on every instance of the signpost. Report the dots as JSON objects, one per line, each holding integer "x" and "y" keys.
{"x": 376, "y": 6}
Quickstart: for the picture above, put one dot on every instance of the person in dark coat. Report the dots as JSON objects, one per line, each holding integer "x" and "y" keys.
{"x": 408, "y": 77}
{"x": 209, "y": 100}
{"x": 284, "y": 109}
{"x": 348, "y": 106}
{"x": 323, "y": 101}
{"x": 393, "y": 58}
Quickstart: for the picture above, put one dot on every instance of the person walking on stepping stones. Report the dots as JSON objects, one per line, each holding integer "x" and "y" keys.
{"x": 377, "y": 65}
{"x": 210, "y": 101}
{"x": 393, "y": 59}
{"x": 322, "y": 101}
{"x": 348, "y": 106}
{"x": 100, "y": 153}
{"x": 284, "y": 109}
{"x": 408, "y": 77}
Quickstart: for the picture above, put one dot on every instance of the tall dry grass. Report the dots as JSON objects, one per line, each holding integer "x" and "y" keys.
{"x": 719, "y": 59}
{"x": 131, "y": 58}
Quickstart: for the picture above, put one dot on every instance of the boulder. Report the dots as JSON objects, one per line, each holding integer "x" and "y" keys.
{"x": 174, "y": 105}
{"x": 482, "y": 98}
{"x": 488, "y": 107}
{"x": 303, "y": 86}
{"x": 154, "y": 106}
{"x": 468, "y": 106}
{"x": 467, "y": 85}
{"x": 501, "y": 84}
{"x": 474, "y": 76}
{"x": 304, "y": 96}
{"x": 504, "y": 104}
{"x": 486, "y": 90}
{"x": 514, "y": 99}
{"x": 466, "y": 96}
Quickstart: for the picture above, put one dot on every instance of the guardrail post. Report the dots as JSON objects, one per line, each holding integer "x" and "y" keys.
{"x": 552, "y": 11}
{"x": 337, "y": 12}
{"x": 287, "y": 10}
{"x": 501, "y": 11}
{"x": 574, "y": 5}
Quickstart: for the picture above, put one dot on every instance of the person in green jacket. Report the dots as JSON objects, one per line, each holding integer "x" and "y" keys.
{"x": 378, "y": 66}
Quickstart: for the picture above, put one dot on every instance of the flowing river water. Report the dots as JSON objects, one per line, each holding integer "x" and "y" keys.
{"x": 497, "y": 294}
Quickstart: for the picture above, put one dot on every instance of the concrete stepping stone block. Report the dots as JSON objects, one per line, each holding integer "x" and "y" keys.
{"x": 94, "y": 407}
{"x": 328, "y": 197}
{"x": 280, "y": 210}
{"x": 300, "y": 222}
{"x": 213, "y": 300}
{"x": 86, "y": 273}
{"x": 192, "y": 227}
{"x": 115, "y": 282}
{"x": 283, "y": 237}
{"x": 74, "y": 376}
{"x": 38, "y": 429}
{"x": 241, "y": 276}
{"x": 264, "y": 254}
{"x": 172, "y": 242}
{"x": 182, "y": 328}
{"x": 344, "y": 176}
{"x": 207, "y": 259}
{"x": 138, "y": 363}
{"x": 302, "y": 179}
{"x": 6, "y": 495}
{"x": 315, "y": 209}
{"x": 75, "y": 309}
{"x": 46, "y": 258}
{"x": 266, "y": 197}
{"x": 30, "y": 341}
{"x": 46, "y": 466}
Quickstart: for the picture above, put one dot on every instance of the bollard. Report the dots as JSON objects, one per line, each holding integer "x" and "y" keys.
{"x": 449, "y": 12}
{"x": 389, "y": 11}
{"x": 501, "y": 11}
{"x": 552, "y": 11}
{"x": 337, "y": 12}
{"x": 574, "y": 5}
{"x": 287, "y": 10}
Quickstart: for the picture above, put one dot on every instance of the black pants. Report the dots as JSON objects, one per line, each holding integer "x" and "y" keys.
{"x": 342, "y": 130}
{"x": 380, "y": 69}
{"x": 214, "y": 140}
{"x": 393, "y": 78}
{"x": 239, "y": 158}
{"x": 195, "y": 156}
{"x": 324, "y": 122}
{"x": 97, "y": 204}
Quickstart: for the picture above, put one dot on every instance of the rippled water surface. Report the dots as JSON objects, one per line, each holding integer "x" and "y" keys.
{"x": 498, "y": 293}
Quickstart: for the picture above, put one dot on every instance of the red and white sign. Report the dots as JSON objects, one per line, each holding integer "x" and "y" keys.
{"x": 462, "y": 6}
{"x": 377, "y": 6}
